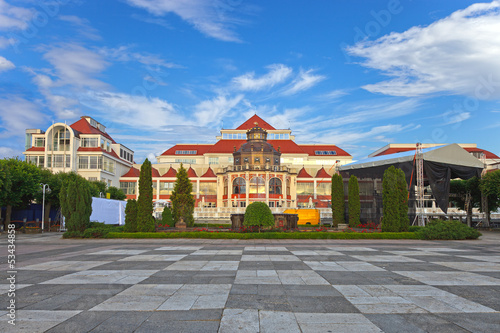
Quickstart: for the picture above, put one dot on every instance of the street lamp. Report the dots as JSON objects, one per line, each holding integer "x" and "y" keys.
{"x": 43, "y": 202}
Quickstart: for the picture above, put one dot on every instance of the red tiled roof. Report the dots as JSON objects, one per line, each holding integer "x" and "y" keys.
{"x": 170, "y": 173}
{"x": 489, "y": 155}
{"x": 100, "y": 150}
{"x": 311, "y": 150}
{"x": 322, "y": 173}
{"x": 286, "y": 146}
{"x": 191, "y": 173}
{"x": 303, "y": 174}
{"x": 133, "y": 172}
{"x": 226, "y": 146}
{"x": 251, "y": 123}
{"x": 36, "y": 149}
{"x": 209, "y": 173}
{"x": 84, "y": 127}
{"x": 154, "y": 173}
{"x": 201, "y": 149}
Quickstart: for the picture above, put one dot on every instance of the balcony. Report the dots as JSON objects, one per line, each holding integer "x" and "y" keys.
{"x": 262, "y": 167}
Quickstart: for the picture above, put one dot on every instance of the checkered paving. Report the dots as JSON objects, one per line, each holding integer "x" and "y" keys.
{"x": 227, "y": 287}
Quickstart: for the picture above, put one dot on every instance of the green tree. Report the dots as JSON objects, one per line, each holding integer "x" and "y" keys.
{"x": 338, "y": 200}
{"x": 116, "y": 193}
{"x": 354, "y": 204}
{"x": 131, "y": 216}
{"x": 5, "y": 184}
{"x": 76, "y": 203}
{"x": 145, "y": 219}
{"x": 390, "y": 201}
{"x": 182, "y": 199}
{"x": 402, "y": 191}
{"x": 490, "y": 186}
{"x": 166, "y": 217}
{"x": 98, "y": 188}
{"x": 21, "y": 181}
{"x": 466, "y": 195}
{"x": 54, "y": 180}
{"x": 258, "y": 214}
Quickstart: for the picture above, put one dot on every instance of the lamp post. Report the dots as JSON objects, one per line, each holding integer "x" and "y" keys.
{"x": 43, "y": 202}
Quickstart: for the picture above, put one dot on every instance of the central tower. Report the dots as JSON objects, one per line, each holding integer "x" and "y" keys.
{"x": 257, "y": 153}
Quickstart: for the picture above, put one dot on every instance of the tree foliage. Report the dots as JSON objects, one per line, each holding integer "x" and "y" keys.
{"x": 338, "y": 200}
{"x": 145, "y": 219}
{"x": 116, "y": 193}
{"x": 258, "y": 214}
{"x": 166, "y": 217}
{"x": 76, "y": 203}
{"x": 182, "y": 199}
{"x": 354, "y": 204}
{"x": 490, "y": 186}
{"x": 394, "y": 201}
{"x": 131, "y": 216}
{"x": 98, "y": 188}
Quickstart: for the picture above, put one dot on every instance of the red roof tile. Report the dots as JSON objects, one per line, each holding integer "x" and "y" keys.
{"x": 251, "y": 123}
{"x": 322, "y": 173}
{"x": 286, "y": 146}
{"x": 84, "y": 127}
{"x": 154, "y": 173}
{"x": 191, "y": 173}
{"x": 36, "y": 149}
{"x": 170, "y": 173}
{"x": 226, "y": 146}
{"x": 311, "y": 150}
{"x": 209, "y": 173}
{"x": 489, "y": 155}
{"x": 133, "y": 172}
{"x": 201, "y": 149}
{"x": 303, "y": 174}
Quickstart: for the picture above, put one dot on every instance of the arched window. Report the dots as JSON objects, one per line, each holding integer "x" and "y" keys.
{"x": 275, "y": 186}
{"x": 225, "y": 186}
{"x": 257, "y": 185}
{"x": 288, "y": 187}
{"x": 239, "y": 186}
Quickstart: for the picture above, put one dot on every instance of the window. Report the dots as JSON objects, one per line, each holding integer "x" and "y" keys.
{"x": 61, "y": 140}
{"x": 239, "y": 186}
{"x": 127, "y": 187}
{"x": 256, "y": 160}
{"x": 230, "y": 159}
{"x": 275, "y": 186}
{"x": 271, "y": 204}
{"x": 213, "y": 160}
{"x": 245, "y": 160}
{"x": 234, "y": 136}
{"x": 83, "y": 162}
{"x": 39, "y": 142}
{"x": 305, "y": 188}
{"x": 185, "y": 160}
{"x": 225, "y": 187}
{"x": 166, "y": 188}
{"x": 89, "y": 142}
{"x": 108, "y": 146}
{"x": 325, "y": 152}
{"x": 257, "y": 185}
{"x": 92, "y": 179}
{"x": 186, "y": 152}
{"x": 93, "y": 123}
{"x": 36, "y": 160}
{"x": 109, "y": 165}
{"x": 324, "y": 189}
{"x": 208, "y": 188}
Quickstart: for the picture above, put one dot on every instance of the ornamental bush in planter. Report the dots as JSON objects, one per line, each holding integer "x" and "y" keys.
{"x": 258, "y": 214}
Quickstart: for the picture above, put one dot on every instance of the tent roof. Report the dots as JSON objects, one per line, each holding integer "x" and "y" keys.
{"x": 449, "y": 154}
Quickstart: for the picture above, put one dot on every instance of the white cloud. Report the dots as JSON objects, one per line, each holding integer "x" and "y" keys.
{"x": 12, "y": 17}
{"x": 8, "y": 152}
{"x": 304, "y": 81}
{"x": 452, "y": 117}
{"x": 214, "y": 110}
{"x": 5, "y": 64}
{"x": 213, "y": 18}
{"x": 139, "y": 112}
{"x": 277, "y": 74}
{"x": 124, "y": 54}
{"x": 334, "y": 94}
{"x": 454, "y": 55}
{"x": 17, "y": 114}
{"x": 83, "y": 25}
{"x": 4, "y": 42}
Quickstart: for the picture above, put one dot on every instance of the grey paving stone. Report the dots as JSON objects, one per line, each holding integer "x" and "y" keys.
{"x": 122, "y": 322}
{"x": 255, "y": 265}
{"x": 82, "y": 322}
{"x": 244, "y": 289}
{"x": 33, "y": 321}
{"x": 389, "y": 278}
{"x": 475, "y": 322}
{"x": 334, "y": 322}
{"x": 278, "y": 322}
{"x": 259, "y": 302}
{"x": 68, "y": 302}
{"x": 34, "y": 277}
{"x": 485, "y": 295}
{"x": 305, "y": 290}
{"x": 134, "y": 265}
{"x": 240, "y": 320}
{"x": 414, "y": 266}
{"x": 414, "y": 323}
{"x": 321, "y": 304}
{"x": 290, "y": 265}
{"x": 153, "y": 325}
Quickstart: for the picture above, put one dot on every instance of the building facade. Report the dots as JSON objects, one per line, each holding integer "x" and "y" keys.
{"x": 83, "y": 147}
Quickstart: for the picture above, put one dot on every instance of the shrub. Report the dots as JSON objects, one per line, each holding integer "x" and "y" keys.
{"x": 73, "y": 234}
{"x": 258, "y": 214}
{"x": 438, "y": 229}
{"x": 145, "y": 219}
{"x": 166, "y": 217}
{"x": 182, "y": 199}
{"x": 338, "y": 209}
{"x": 131, "y": 216}
{"x": 354, "y": 204}
{"x": 395, "y": 201}
{"x": 96, "y": 232}
{"x": 414, "y": 228}
{"x": 76, "y": 203}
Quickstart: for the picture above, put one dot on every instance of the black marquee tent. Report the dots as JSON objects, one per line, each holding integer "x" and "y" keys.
{"x": 441, "y": 164}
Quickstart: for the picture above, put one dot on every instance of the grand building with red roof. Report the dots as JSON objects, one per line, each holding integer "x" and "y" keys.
{"x": 83, "y": 147}
{"x": 240, "y": 168}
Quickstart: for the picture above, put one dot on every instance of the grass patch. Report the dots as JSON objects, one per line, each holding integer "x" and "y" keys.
{"x": 266, "y": 235}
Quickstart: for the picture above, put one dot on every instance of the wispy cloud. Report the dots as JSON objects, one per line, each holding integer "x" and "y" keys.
{"x": 125, "y": 54}
{"x": 214, "y": 110}
{"x": 83, "y": 26}
{"x": 12, "y": 17}
{"x": 216, "y": 19}
{"x": 4, "y": 42}
{"x": 5, "y": 64}
{"x": 452, "y": 117}
{"x": 455, "y": 55}
{"x": 305, "y": 80}
{"x": 334, "y": 94}
{"x": 278, "y": 73}
{"x": 17, "y": 114}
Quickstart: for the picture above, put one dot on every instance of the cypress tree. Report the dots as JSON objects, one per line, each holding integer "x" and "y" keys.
{"x": 76, "y": 203}
{"x": 131, "y": 216}
{"x": 338, "y": 209}
{"x": 354, "y": 205}
{"x": 390, "y": 201}
{"x": 402, "y": 190}
{"x": 182, "y": 199}
{"x": 145, "y": 219}
{"x": 166, "y": 217}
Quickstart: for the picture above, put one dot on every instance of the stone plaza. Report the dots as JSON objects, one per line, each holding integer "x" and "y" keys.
{"x": 196, "y": 285}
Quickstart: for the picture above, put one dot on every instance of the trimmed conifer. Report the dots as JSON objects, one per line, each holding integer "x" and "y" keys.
{"x": 390, "y": 201}
{"x": 145, "y": 219}
{"x": 354, "y": 205}
{"x": 182, "y": 199}
{"x": 131, "y": 216}
{"x": 402, "y": 186}
{"x": 338, "y": 204}
{"x": 166, "y": 217}
{"x": 76, "y": 203}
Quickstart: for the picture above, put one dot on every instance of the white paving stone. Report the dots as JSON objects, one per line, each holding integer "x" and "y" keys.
{"x": 483, "y": 258}
{"x": 5, "y": 288}
{"x": 103, "y": 276}
{"x": 257, "y": 277}
{"x": 278, "y": 322}
{"x": 155, "y": 257}
{"x": 179, "y": 248}
{"x": 350, "y": 248}
{"x": 317, "y": 253}
{"x": 217, "y": 252}
{"x": 204, "y": 296}
{"x": 439, "y": 278}
{"x": 265, "y": 248}
{"x": 471, "y": 266}
{"x": 130, "y": 303}
{"x": 335, "y": 322}
{"x": 64, "y": 265}
{"x": 119, "y": 252}
{"x": 417, "y": 253}
{"x": 386, "y": 258}
{"x": 163, "y": 290}
{"x": 301, "y": 277}
{"x": 239, "y": 320}
{"x": 439, "y": 249}
{"x": 270, "y": 257}
{"x": 343, "y": 266}
{"x": 34, "y": 321}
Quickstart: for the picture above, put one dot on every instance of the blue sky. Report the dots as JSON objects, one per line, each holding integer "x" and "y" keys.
{"x": 358, "y": 74}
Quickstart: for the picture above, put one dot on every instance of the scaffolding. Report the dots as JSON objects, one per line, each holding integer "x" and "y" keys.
{"x": 419, "y": 165}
